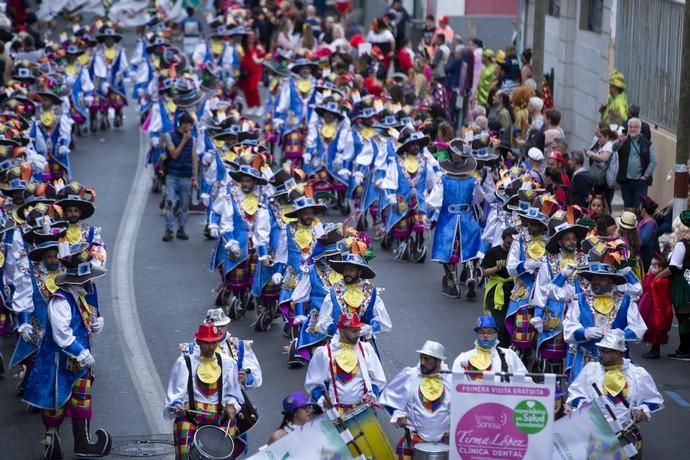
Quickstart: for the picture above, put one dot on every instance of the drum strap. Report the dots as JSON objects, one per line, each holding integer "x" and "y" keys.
{"x": 190, "y": 382}
{"x": 504, "y": 365}
{"x": 363, "y": 368}
{"x": 331, "y": 366}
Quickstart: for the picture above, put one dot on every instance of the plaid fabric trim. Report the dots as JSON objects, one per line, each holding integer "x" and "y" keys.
{"x": 242, "y": 276}
{"x": 52, "y": 418}
{"x": 206, "y": 389}
{"x": 183, "y": 434}
{"x": 80, "y": 403}
{"x": 524, "y": 332}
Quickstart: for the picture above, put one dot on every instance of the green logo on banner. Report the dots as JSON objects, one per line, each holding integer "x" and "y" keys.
{"x": 530, "y": 416}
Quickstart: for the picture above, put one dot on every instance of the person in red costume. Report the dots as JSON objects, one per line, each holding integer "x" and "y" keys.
{"x": 252, "y": 72}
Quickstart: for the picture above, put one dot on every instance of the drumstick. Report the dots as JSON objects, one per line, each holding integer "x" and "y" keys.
{"x": 227, "y": 429}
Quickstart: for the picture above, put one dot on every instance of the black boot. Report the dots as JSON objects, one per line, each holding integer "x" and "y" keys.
{"x": 93, "y": 122}
{"x": 118, "y": 118}
{"x": 83, "y": 447}
{"x": 53, "y": 446}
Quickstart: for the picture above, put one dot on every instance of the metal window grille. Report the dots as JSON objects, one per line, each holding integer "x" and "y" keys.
{"x": 591, "y": 15}
{"x": 648, "y": 53}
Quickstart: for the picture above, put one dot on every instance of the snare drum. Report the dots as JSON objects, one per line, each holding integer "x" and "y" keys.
{"x": 211, "y": 443}
{"x": 431, "y": 451}
{"x": 369, "y": 438}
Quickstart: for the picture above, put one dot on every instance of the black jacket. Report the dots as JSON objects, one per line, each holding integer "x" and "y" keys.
{"x": 580, "y": 188}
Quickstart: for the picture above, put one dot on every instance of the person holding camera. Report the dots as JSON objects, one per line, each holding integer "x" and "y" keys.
{"x": 637, "y": 160}
{"x": 181, "y": 164}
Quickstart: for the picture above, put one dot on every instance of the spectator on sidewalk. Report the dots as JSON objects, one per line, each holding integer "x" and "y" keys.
{"x": 600, "y": 159}
{"x": 634, "y": 112}
{"x": 440, "y": 59}
{"x": 581, "y": 183}
{"x": 181, "y": 167}
{"x": 444, "y": 29}
{"x": 636, "y": 164}
{"x": 400, "y": 18}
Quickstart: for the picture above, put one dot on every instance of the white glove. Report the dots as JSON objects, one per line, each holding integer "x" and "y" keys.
{"x": 97, "y": 325}
{"x": 299, "y": 319}
{"x": 344, "y": 173}
{"x": 63, "y": 150}
{"x": 338, "y": 160}
{"x": 105, "y": 87}
{"x": 306, "y": 157}
{"x": 532, "y": 265}
{"x": 86, "y": 359}
{"x": 141, "y": 93}
{"x": 26, "y": 330}
{"x": 213, "y": 232}
{"x": 568, "y": 270}
{"x": 537, "y": 323}
{"x": 88, "y": 100}
{"x": 277, "y": 278}
{"x": 366, "y": 331}
{"x": 359, "y": 177}
{"x": 378, "y": 183}
{"x": 155, "y": 141}
{"x": 593, "y": 333}
{"x": 206, "y": 199}
{"x": 233, "y": 246}
{"x": 127, "y": 80}
{"x": 392, "y": 199}
{"x": 207, "y": 158}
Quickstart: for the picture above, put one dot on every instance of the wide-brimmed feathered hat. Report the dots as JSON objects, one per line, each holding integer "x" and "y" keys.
{"x": 37, "y": 251}
{"x": 416, "y": 137}
{"x": 353, "y": 259}
{"x": 601, "y": 269}
{"x": 108, "y": 31}
{"x": 330, "y": 105}
{"x": 301, "y": 202}
{"x": 75, "y": 194}
{"x": 79, "y": 266}
{"x": 249, "y": 170}
{"x": 559, "y": 225}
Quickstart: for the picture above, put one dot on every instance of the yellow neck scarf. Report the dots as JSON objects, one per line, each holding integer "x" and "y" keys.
{"x": 334, "y": 277}
{"x": 328, "y": 131}
{"x": 216, "y": 47}
{"x": 353, "y": 295}
{"x": 71, "y": 69}
{"x": 431, "y": 387}
{"x": 74, "y": 233}
{"x": 603, "y": 304}
{"x": 368, "y": 133}
{"x": 83, "y": 59}
{"x": 2, "y": 259}
{"x": 346, "y": 358}
{"x": 304, "y": 86}
{"x": 411, "y": 163}
{"x": 208, "y": 370}
{"x": 567, "y": 258}
{"x": 285, "y": 209}
{"x": 250, "y": 204}
{"x": 614, "y": 380}
{"x": 49, "y": 282}
{"x": 47, "y": 118}
{"x": 172, "y": 107}
{"x": 536, "y": 248}
{"x": 303, "y": 236}
{"x": 110, "y": 53}
{"x": 481, "y": 358}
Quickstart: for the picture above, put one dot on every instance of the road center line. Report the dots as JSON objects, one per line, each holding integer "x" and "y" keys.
{"x": 677, "y": 398}
{"x": 137, "y": 355}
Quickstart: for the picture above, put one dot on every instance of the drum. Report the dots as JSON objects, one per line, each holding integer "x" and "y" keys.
{"x": 247, "y": 417}
{"x": 211, "y": 443}
{"x": 431, "y": 451}
{"x": 369, "y": 438}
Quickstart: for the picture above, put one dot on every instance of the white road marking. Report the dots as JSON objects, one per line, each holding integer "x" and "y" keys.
{"x": 136, "y": 352}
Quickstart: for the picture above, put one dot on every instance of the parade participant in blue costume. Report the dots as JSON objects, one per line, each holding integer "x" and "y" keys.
{"x": 51, "y": 134}
{"x": 269, "y": 275}
{"x": 297, "y": 95}
{"x": 81, "y": 87}
{"x": 325, "y": 138}
{"x": 110, "y": 72}
{"x": 487, "y": 356}
{"x": 526, "y": 255}
{"x": 62, "y": 377}
{"x": 244, "y": 227}
{"x": 458, "y": 236}
{"x": 312, "y": 289}
{"x": 596, "y": 309}
{"x": 149, "y": 72}
{"x": 160, "y": 122}
{"x": 302, "y": 234}
{"x": 414, "y": 177}
{"x": 418, "y": 399}
{"x": 500, "y": 217}
{"x": 355, "y": 293}
{"x": 551, "y": 296}
{"x": 346, "y": 372}
{"x": 43, "y": 233}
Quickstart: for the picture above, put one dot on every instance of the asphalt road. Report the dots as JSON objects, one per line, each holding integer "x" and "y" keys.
{"x": 172, "y": 288}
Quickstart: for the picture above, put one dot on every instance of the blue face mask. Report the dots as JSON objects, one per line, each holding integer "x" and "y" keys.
{"x": 52, "y": 267}
{"x": 487, "y": 343}
{"x": 601, "y": 289}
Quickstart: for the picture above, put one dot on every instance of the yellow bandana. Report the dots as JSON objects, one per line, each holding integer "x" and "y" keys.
{"x": 74, "y": 234}
{"x": 346, "y": 358}
{"x": 536, "y": 248}
{"x": 83, "y": 59}
{"x": 603, "y": 304}
{"x": 49, "y": 282}
{"x": 568, "y": 258}
{"x": 208, "y": 370}
{"x": 47, "y": 118}
{"x": 71, "y": 69}
{"x": 250, "y": 204}
{"x": 411, "y": 164}
{"x": 328, "y": 131}
{"x": 353, "y": 295}
{"x": 82, "y": 301}
{"x": 2, "y": 259}
{"x": 334, "y": 277}
{"x": 303, "y": 236}
{"x": 481, "y": 358}
{"x": 368, "y": 133}
{"x": 614, "y": 380}
{"x": 304, "y": 86}
{"x": 172, "y": 107}
{"x": 216, "y": 47}
{"x": 110, "y": 53}
{"x": 156, "y": 62}
{"x": 285, "y": 209}
{"x": 218, "y": 143}
{"x": 431, "y": 387}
